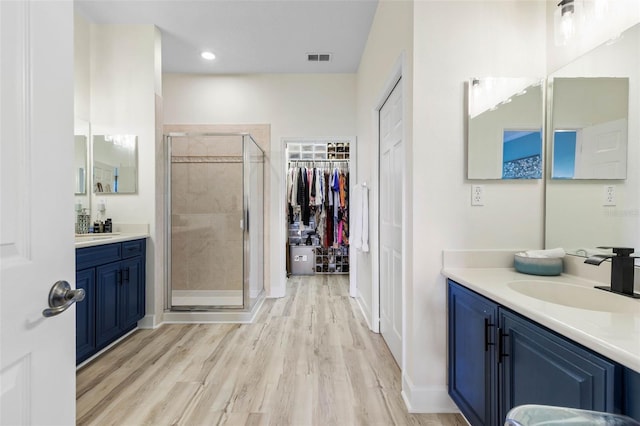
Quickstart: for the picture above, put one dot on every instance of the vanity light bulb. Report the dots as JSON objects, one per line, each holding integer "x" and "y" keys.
{"x": 209, "y": 56}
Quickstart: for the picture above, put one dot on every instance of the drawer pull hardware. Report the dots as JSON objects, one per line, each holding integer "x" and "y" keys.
{"x": 61, "y": 297}
{"x": 487, "y": 324}
{"x": 501, "y": 352}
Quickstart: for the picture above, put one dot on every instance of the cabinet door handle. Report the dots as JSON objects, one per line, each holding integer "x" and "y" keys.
{"x": 119, "y": 276}
{"x": 487, "y": 324}
{"x": 501, "y": 337}
{"x": 126, "y": 274}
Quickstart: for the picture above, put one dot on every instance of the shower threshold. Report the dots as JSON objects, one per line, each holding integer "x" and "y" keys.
{"x": 197, "y": 314}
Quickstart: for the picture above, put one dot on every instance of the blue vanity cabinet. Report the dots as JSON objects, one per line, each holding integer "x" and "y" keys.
{"x": 541, "y": 367}
{"x": 499, "y": 360}
{"x": 631, "y": 394}
{"x": 85, "y": 314}
{"x": 108, "y": 308}
{"x": 472, "y": 379}
{"x": 132, "y": 291}
{"x": 116, "y": 300}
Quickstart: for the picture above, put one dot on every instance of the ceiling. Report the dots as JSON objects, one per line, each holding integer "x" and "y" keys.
{"x": 247, "y": 36}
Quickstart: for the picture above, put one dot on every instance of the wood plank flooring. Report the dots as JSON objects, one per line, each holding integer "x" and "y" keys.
{"x": 308, "y": 359}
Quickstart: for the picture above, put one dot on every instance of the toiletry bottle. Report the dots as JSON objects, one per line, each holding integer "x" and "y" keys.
{"x": 96, "y": 227}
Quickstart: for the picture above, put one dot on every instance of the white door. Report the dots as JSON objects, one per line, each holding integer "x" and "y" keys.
{"x": 601, "y": 151}
{"x": 391, "y": 210}
{"x": 37, "y": 354}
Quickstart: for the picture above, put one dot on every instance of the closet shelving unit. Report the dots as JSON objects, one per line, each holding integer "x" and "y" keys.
{"x": 332, "y": 260}
{"x": 329, "y": 260}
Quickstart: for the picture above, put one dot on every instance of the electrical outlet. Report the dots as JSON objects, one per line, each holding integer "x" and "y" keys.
{"x": 477, "y": 195}
{"x": 609, "y": 195}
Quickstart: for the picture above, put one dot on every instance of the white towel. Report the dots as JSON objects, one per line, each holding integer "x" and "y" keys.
{"x": 556, "y": 252}
{"x": 355, "y": 236}
{"x": 365, "y": 219}
{"x": 359, "y": 235}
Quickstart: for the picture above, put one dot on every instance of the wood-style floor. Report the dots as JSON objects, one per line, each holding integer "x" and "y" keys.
{"x": 309, "y": 359}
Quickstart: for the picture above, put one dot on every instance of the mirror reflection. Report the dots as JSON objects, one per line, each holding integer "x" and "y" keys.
{"x": 584, "y": 214}
{"x": 590, "y": 128}
{"x": 115, "y": 162}
{"x": 505, "y": 128}
{"x": 81, "y": 133}
{"x": 80, "y": 162}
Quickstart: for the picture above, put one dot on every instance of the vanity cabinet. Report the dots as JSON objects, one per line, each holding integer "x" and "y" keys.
{"x": 113, "y": 276}
{"x": 541, "y": 367}
{"x": 499, "y": 360}
{"x": 471, "y": 355}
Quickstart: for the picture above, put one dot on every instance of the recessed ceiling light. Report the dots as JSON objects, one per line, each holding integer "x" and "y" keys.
{"x": 208, "y": 55}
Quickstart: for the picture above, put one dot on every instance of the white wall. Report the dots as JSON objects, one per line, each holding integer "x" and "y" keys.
{"x": 295, "y": 105}
{"x": 123, "y": 100}
{"x": 81, "y": 68}
{"x": 389, "y": 43}
{"x": 454, "y": 41}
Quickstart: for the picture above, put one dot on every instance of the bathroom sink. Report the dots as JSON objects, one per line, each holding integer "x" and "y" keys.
{"x": 575, "y": 296}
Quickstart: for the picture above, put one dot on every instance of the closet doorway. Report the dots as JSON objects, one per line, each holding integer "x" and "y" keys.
{"x": 391, "y": 214}
{"x": 319, "y": 180}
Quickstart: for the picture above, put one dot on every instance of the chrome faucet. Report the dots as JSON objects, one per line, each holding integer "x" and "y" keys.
{"x": 622, "y": 268}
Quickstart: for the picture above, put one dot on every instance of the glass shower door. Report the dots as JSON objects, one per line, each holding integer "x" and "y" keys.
{"x": 206, "y": 212}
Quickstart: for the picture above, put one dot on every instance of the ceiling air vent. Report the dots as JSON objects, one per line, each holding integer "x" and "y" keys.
{"x": 318, "y": 57}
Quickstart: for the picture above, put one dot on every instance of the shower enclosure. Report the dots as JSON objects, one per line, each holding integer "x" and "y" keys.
{"x": 215, "y": 227}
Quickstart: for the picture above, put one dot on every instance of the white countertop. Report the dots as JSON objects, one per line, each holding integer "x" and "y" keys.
{"x": 615, "y": 334}
{"x": 90, "y": 240}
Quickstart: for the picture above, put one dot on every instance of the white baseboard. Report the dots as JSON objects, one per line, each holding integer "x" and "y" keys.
{"x": 366, "y": 311}
{"x": 148, "y": 322}
{"x": 428, "y": 399}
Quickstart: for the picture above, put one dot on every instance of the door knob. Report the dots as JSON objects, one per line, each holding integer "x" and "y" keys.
{"x": 61, "y": 297}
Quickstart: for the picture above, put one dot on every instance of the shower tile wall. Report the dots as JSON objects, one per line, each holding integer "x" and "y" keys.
{"x": 207, "y": 250}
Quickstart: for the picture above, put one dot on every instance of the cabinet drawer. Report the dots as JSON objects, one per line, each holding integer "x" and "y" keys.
{"x": 132, "y": 248}
{"x": 97, "y": 255}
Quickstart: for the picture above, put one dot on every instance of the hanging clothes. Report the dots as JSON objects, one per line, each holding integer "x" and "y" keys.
{"x": 318, "y": 197}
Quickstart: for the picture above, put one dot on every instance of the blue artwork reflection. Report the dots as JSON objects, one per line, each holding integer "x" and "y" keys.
{"x": 564, "y": 154}
{"x": 522, "y": 154}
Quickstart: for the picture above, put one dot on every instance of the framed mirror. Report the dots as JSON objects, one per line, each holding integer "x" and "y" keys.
{"x": 115, "y": 164}
{"x": 582, "y": 214}
{"x": 81, "y": 136}
{"x": 505, "y": 128}
{"x": 81, "y": 141}
{"x": 589, "y": 116}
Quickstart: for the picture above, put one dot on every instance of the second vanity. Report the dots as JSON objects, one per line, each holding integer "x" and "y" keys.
{"x": 111, "y": 270}
{"x": 520, "y": 339}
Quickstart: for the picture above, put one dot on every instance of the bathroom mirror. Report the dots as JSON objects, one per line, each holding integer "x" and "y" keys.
{"x": 115, "y": 164}
{"x": 589, "y": 119}
{"x": 504, "y": 139}
{"x": 80, "y": 164}
{"x": 586, "y": 213}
